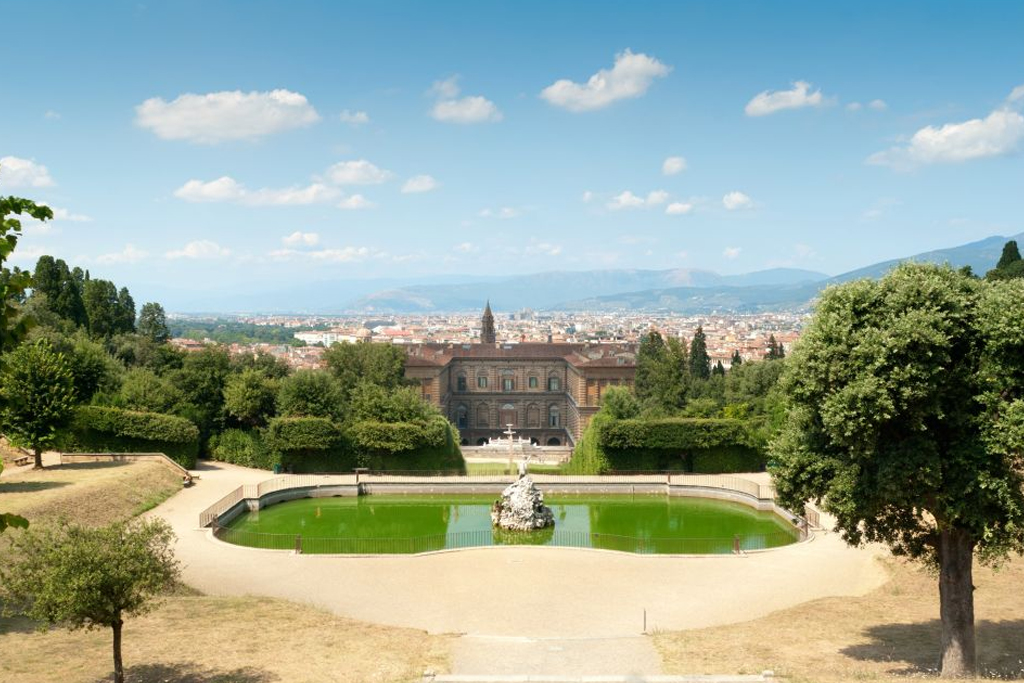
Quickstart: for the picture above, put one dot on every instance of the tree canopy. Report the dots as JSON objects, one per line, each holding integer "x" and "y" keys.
{"x": 906, "y": 423}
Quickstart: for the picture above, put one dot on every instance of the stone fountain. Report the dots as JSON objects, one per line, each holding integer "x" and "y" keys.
{"x": 521, "y": 506}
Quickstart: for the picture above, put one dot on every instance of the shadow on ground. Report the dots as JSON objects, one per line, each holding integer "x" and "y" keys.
{"x": 916, "y": 647}
{"x": 29, "y": 486}
{"x": 16, "y": 623}
{"x": 185, "y": 672}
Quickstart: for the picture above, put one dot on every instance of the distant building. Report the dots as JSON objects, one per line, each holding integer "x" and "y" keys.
{"x": 547, "y": 391}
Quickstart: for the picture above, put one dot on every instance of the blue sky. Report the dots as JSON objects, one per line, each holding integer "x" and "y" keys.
{"x": 190, "y": 145}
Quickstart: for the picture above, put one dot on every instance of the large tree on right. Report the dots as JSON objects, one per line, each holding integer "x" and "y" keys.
{"x": 906, "y": 422}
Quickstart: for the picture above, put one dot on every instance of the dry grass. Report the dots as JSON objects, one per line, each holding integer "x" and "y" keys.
{"x": 91, "y": 493}
{"x": 191, "y": 638}
{"x": 242, "y": 640}
{"x": 891, "y": 632}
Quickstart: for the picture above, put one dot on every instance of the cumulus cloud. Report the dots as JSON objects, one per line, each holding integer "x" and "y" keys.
{"x": 200, "y": 249}
{"x": 731, "y": 252}
{"x": 227, "y": 189}
{"x": 354, "y": 118}
{"x": 998, "y": 134}
{"x": 346, "y": 254}
{"x": 737, "y": 200}
{"x": 299, "y": 238}
{"x": 679, "y": 208}
{"x": 359, "y": 172}
{"x": 130, "y": 254}
{"x": 771, "y": 101}
{"x": 673, "y": 165}
{"x": 420, "y": 183}
{"x": 355, "y": 201}
{"x": 450, "y": 108}
{"x": 631, "y": 76}
{"x": 878, "y": 105}
{"x": 17, "y": 172}
{"x": 227, "y": 115}
{"x": 628, "y": 200}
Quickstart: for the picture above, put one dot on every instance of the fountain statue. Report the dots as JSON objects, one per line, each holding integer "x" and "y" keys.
{"x": 521, "y": 506}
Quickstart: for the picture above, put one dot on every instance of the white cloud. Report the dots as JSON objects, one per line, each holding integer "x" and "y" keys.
{"x": 587, "y": 196}
{"x": 359, "y": 172}
{"x": 65, "y": 215}
{"x": 51, "y": 115}
{"x": 346, "y": 254}
{"x": 878, "y": 105}
{"x": 355, "y": 201}
{"x": 1016, "y": 95}
{"x": 446, "y": 89}
{"x": 227, "y": 189}
{"x": 544, "y": 248}
{"x": 630, "y": 76}
{"x": 625, "y": 200}
{"x": 16, "y": 172}
{"x": 466, "y": 248}
{"x": 673, "y": 165}
{"x": 298, "y": 238}
{"x": 737, "y": 200}
{"x": 854, "y": 106}
{"x": 731, "y": 252}
{"x": 228, "y": 115}
{"x": 504, "y": 212}
{"x": 656, "y": 197}
{"x": 420, "y": 183}
{"x": 679, "y": 208}
{"x": 27, "y": 253}
{"x": 472, "y": 109}
{"x": 769, "y": 102}
{"x": 130, "y": 254}
{"x": 999, "y": 133}
{"x": 354, "y": 118}
{"x": 200, "y": 249}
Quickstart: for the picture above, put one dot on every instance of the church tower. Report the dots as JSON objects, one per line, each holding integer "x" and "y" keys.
{"x": 487, "y": 329}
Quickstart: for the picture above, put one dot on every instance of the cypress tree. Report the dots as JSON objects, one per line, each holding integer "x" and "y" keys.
{"x": 1011, "y": 254}
{"x": 737, "y": 359}
{"x": 700, "y": 361}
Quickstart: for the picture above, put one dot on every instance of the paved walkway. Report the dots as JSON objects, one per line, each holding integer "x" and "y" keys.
{"x": 590, "y": 602}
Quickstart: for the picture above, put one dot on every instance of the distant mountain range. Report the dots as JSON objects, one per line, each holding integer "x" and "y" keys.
{"x": 683, "y": 291}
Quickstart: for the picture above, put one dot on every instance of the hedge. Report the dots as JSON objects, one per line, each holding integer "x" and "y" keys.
{"x": 433, "y": 445}
{"x": 102, "y": 429}
{"x": 310, "y": 444}
{"x": 245, "y": 448}
{"x": 687, "y": 444}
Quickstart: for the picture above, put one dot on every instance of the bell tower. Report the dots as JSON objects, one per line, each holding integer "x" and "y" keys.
{"x": 487, "y": 335}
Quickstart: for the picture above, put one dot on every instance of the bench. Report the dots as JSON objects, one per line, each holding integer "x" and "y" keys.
{"x": 22, "y": 460}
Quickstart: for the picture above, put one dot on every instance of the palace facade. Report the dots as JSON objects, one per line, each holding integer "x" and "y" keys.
{"x": 547, "y": 391}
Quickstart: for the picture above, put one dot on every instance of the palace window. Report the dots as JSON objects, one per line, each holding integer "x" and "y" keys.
{"x": 481, "y": 382}
{"x": 460, "y": 383}
{"x": 462, "y": 417}
{"x": 553, "y": 417}
{"x": 533, "y": 382}
{"x": 553, "y": 384}
{"x": 508, "y": 384}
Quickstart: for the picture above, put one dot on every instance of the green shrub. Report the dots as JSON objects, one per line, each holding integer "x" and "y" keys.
{"x": 310, "y": 444}
{"x": 114, "y": 430}
{"x": 433, "y": 445}
{"x": 245, "y": 448}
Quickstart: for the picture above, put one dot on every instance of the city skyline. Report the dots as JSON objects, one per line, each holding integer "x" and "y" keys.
{"x": 203, "y": 151}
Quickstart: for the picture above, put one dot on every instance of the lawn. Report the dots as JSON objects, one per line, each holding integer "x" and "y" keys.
{"x": 191, "y": 638}
{"x": 490, "y": 468}
{"x": 893, "y": 631}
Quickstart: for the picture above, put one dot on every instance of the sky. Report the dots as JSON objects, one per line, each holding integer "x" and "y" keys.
{"x": 238, "y": 146}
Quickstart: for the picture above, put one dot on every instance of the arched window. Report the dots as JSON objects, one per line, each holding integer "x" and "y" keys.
{"x": 554, "y": 383}
{"x": 554, "y": 441}
{"x": 507, "y": 415}
{"x": 462, "y": 417}
{"x": 483, "y": 416}
{"x": 460, "y": 382}
{"x": 532, "y": 416}
{"x": 481, "y": 381}
{"x": 554, "y": 419}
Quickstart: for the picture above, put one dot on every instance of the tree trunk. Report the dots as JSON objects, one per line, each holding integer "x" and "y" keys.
{"x": 38, "y": 453}
{"x": 956, "y": 603}
{"x": 118, "y": 664}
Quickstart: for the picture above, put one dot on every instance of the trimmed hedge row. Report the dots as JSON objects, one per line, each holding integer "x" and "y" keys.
{"x": 115, "y": 430}
{"x": 239, "y": 447}
{"x": 707, "y": 446}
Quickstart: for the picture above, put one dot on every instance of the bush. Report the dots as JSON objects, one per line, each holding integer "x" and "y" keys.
{"x": 245, "y": 448}
{"x": 432, "y": 445}
{"x": 114, "y": 430}
{"x": 310, "y": 444}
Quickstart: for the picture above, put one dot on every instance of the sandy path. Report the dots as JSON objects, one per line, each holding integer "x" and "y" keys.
{"x": 524, "y": 591}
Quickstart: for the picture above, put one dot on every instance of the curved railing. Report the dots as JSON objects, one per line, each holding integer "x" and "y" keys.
{"x": 476, "y": 539}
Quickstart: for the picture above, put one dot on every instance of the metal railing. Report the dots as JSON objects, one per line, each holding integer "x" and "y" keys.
{"x": 475, "y": 539}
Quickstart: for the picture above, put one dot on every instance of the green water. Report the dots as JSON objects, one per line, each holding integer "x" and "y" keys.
{"x": 420, "y": 523}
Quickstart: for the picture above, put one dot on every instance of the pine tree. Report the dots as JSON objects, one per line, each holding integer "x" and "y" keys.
{"x": 737, "y": 359}
{"x": 650, "y": 360}
{"x": 719, "y": 369}
{"x": 1011, "y": 254}
{"x": 700, "y": 361}
{"x": 153, "y": 322}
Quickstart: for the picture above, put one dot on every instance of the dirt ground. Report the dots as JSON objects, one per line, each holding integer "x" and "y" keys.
{"x": 890, "y": 632}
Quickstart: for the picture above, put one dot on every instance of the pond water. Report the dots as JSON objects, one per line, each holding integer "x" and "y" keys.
{"x": 377, "y": 524}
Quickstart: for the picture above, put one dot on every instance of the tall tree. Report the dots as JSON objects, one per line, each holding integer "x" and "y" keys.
{"x": 1010, "y": 264}
{"x": 1010, "y": 255}
{"x": 775, "y": 350}
{"x": 13, "y": 325}
{"x": 125, "y": 311}
{"x": 737, "y": 359}
{"x": 153, "y": 323}
{"x": 700, "y": 361}
{"x": 380, "y": 364}
{"x": 37, "y": 395}
{"x": 906, "y": 422}
{"x": 89, "y": 578}
{"x": 311, "y": 393}
{"x": 650, "y": 359}
{"x": 249, "y": 397}
{"x": 55, "y": 281}
{"x": 101, "y": 307}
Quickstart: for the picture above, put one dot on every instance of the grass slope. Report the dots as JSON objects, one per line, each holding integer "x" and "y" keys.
{"x": 891, "y": 632}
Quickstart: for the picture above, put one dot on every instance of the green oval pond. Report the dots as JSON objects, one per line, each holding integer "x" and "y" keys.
{"x": 384, "y": 524}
